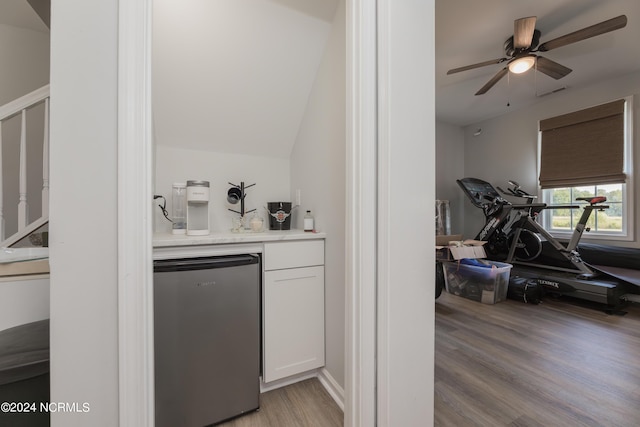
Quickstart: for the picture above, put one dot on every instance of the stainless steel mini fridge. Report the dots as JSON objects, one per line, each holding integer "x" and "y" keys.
{"x": 207, "y": 339}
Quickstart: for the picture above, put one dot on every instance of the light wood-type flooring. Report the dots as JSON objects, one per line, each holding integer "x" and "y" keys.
{"x": 562, "y": 363}
{"x": 303, "y": 404}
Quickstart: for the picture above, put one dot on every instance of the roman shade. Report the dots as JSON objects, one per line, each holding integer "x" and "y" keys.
{"x": 585, "y": 147}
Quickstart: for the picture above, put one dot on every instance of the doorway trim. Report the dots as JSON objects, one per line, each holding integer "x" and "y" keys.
{"x": 361, "y": 215}
{"x": 370, "y": 230}
{"x": 135, "y": 252}
{"x": 135, "y": 220}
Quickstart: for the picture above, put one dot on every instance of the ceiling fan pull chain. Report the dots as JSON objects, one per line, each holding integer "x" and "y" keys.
{"x": 535, "y": 78}
{"x": 508, "y": 88}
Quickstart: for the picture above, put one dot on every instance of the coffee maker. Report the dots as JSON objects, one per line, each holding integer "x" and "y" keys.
{"x": 197, "y": 208}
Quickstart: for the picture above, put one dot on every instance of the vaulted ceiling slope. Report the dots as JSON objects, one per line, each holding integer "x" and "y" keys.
{"x": 24, "y": 49}
{"x": 21, "y": 14}
{"x": 479, "y": 32}
{"x": 235, "y": 76}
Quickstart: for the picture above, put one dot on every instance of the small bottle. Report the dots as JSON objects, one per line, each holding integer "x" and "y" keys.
{"x": 179, "y": 208}
{"x": 308, "y": 222}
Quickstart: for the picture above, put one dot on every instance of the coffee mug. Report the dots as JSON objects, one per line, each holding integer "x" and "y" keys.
{"x": 234, "y": 195}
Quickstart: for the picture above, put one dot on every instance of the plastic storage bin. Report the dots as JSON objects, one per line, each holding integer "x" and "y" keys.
{"x": 488, "y": 285}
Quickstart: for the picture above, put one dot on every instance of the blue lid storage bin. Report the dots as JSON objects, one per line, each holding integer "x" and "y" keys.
{"x": 487, "y": 283}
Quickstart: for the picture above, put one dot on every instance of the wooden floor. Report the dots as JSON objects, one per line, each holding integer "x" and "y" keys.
{"x": 562, "y": 363}
{"x": 303, "y": 404}
{"x": 559, "y": 363}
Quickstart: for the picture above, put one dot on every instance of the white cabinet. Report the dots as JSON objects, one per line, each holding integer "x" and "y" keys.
{"x": 293, "y": 308}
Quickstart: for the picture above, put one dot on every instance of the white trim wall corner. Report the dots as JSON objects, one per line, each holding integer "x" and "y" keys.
{"x": 331, "y": 385}
{"x": 630, "y": 153}
{"x": 360, "y": 301}
{"x": 391, "y": 144}
{"x": 135, "y": 221}
{"x": 406, "y": 191}
{"x": 83, "y": 214}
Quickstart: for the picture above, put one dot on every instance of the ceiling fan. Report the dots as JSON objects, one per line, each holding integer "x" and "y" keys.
{"x": 520, "y": 49}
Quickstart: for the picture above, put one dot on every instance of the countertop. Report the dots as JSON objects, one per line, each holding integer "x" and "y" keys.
{"x": 228, "y": 237}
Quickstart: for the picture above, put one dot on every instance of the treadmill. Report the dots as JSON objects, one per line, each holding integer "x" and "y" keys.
{"x": 509, "y": 228}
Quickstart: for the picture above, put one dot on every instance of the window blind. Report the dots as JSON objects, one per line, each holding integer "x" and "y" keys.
{"x": 585, "y": 147}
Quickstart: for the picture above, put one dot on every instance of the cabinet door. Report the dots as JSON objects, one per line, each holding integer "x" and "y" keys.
{"x": 293, "y": 321}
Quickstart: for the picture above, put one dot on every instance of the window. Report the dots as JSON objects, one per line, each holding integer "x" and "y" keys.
{"x": 610, "y": 222}
{"x": 613, "y": 223}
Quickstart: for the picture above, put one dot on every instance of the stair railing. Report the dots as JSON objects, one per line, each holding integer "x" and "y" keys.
{"x": 7, "y": 111}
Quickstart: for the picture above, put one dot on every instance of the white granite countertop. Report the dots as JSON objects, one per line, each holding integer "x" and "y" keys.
{"x": 228, "y": 237}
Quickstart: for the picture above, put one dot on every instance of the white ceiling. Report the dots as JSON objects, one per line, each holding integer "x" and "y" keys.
{"x": 472, "y": 31}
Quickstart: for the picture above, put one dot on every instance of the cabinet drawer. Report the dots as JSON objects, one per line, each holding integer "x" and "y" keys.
{"x": 304, "y": 253}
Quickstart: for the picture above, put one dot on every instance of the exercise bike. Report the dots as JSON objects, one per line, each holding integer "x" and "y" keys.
{"x": 514, "y": 235}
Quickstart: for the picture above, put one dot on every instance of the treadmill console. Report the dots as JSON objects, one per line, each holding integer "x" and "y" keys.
{"x": 480, "y": 192}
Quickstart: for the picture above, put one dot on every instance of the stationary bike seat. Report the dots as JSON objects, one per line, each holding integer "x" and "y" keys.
{"x": 593, "y": 200}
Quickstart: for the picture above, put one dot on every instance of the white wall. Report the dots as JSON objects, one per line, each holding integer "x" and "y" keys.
{"x": 507, "y": 147}
{"x": 271, "y": 176}
{"x": 23, "y": 300}
{"x": 449, "y": 167}
{"x": 25, "y": 61}
{"x": 318, "y": 171}
{"x": 234, "y": 75}
{"x": 84, "y": 211}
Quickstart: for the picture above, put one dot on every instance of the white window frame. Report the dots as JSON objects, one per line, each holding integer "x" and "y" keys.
{"x": 627, "y": 233}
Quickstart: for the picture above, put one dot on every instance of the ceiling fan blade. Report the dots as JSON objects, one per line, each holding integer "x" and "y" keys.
{"x": 493, "y": 81}
{"x": 585, "y": 33}
{"x": 478, "y": 65}
{"x": 551, "y": 68}
{"x": 523, "y": 32}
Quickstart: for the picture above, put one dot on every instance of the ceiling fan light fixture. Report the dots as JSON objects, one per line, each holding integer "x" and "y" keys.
{"x": 522, "y": 64}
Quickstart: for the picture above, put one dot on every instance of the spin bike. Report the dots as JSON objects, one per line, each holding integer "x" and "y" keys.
{"x": 514, "y": 236}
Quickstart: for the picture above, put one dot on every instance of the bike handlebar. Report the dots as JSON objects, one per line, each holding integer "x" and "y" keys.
{"x": 563, "y": 206}
{"x": 530, "y": 205}
{"x": 517, "y": 192}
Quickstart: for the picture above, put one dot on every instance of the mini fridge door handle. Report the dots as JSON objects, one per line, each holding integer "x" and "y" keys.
{"x": 204, "y": 263}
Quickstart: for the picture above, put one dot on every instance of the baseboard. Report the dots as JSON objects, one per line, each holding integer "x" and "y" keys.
{"x": 265, "y": 387}
{"x": 326, "y": 379}
{"x": 332, "y": 387}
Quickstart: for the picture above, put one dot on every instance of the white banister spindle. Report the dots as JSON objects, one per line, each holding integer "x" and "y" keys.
{"x": 22, "y": 203}
{"x": 45, "y": 161}
{"x": 1, "y": 189}
{"x": 15, "y": 108}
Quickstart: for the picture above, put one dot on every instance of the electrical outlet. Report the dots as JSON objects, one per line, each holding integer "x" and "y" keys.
{"x": 298, "y": 198}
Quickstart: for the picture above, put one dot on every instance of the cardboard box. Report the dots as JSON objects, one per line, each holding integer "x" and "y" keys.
{"x": 444, "y": 239}
{"x": 452, "y": 247}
